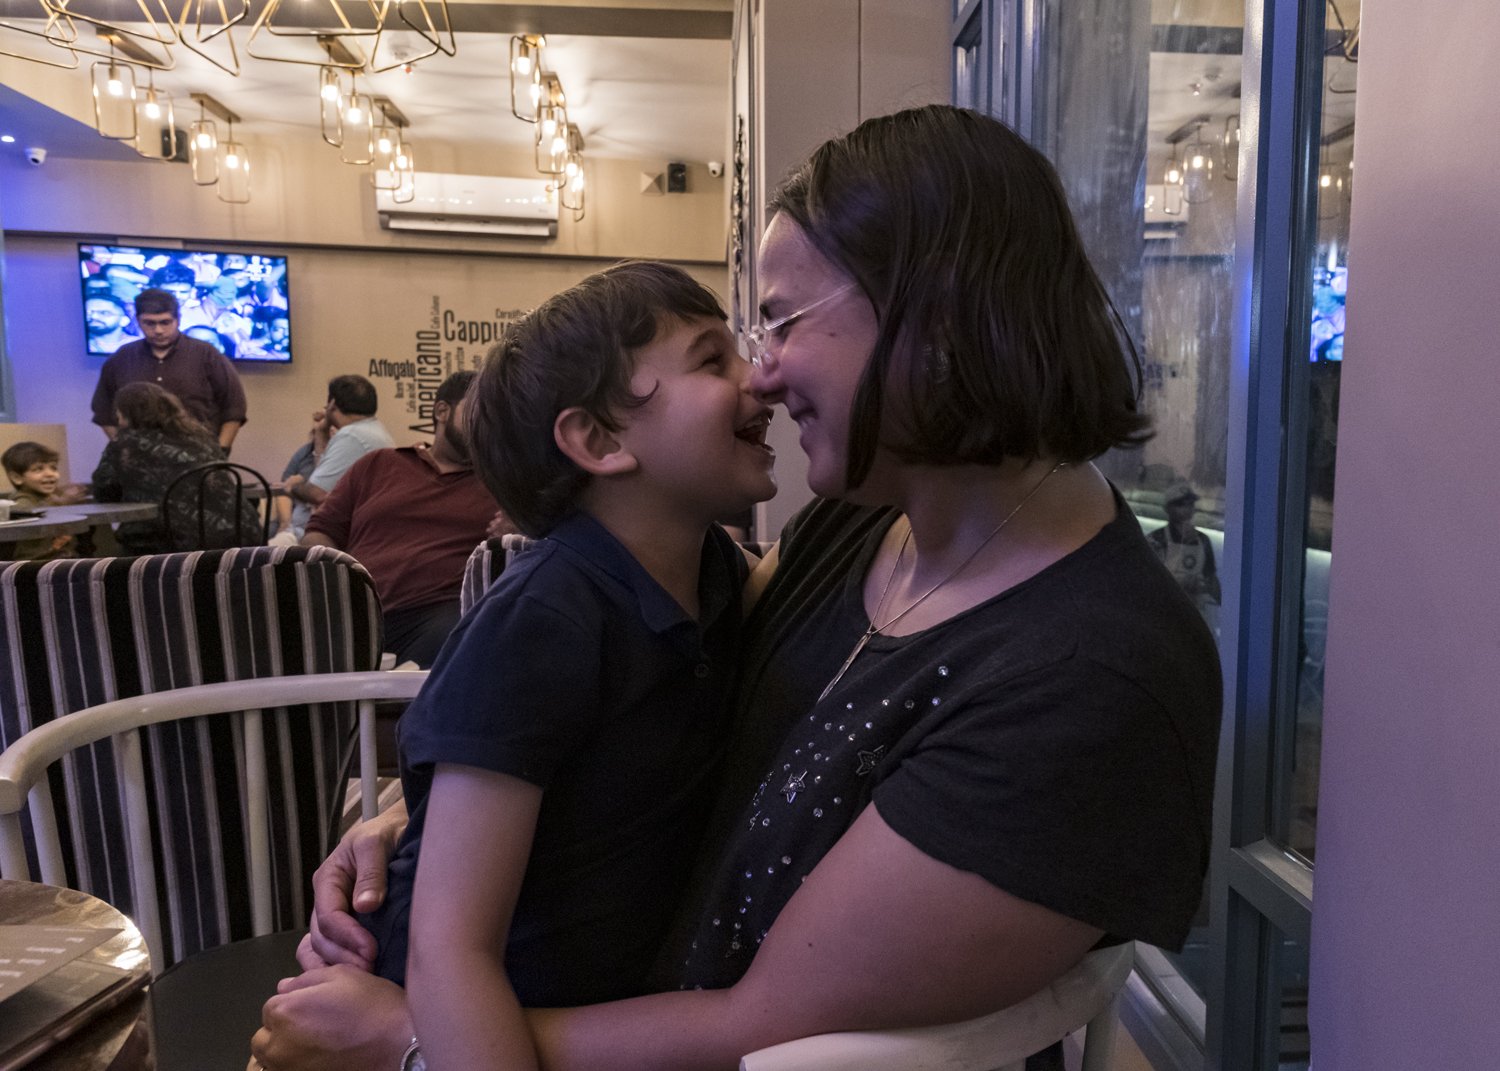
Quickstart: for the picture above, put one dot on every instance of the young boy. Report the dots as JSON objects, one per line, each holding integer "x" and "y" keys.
{"x": 32, "y": 469}
{"x": 558, "y": 762}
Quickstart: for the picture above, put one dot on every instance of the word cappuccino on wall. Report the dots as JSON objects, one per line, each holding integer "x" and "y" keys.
{"x": 450, "y": 341}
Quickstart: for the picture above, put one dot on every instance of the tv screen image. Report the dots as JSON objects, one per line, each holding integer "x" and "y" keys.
{"x": 236, "y": 302}
{"x": 1330, "y": 287}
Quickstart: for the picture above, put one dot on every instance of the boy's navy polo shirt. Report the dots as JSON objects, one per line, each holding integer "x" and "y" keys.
{"x": 578, "y": 673}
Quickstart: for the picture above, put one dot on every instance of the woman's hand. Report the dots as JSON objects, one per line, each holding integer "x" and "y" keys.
{"x": 351, "y": 879}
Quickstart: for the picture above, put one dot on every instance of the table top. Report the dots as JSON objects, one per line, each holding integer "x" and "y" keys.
{"x": 117, "y": 1038}
{"x": 80, "y": 517}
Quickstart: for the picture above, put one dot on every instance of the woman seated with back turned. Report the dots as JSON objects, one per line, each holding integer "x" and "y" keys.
{"x": 976, "y": 727}
{"x": 159, "y": 441}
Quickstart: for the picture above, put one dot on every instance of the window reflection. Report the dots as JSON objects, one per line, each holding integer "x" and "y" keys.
{"x": 1147, "y": 140}
{"x": 1333, "y": 188}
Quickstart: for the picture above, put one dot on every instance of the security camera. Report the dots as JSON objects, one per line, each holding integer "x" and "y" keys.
{"x": 716, "y": 168}
{"x": 36, "y": 157}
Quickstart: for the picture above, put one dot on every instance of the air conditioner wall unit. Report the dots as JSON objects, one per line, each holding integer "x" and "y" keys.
{"x": 472, "y": 204}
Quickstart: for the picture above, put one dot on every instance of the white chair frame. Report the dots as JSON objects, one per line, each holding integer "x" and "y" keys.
{"x": 23, "y": 769}
{"x": 1087, "y": 994}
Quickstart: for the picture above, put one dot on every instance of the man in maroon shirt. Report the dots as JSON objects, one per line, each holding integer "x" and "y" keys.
{"x": 200, "y": 376}
{"x": 412, "y": 515}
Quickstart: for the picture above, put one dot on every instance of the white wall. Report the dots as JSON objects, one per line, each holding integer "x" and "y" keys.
{"x": 1406, "y": 913}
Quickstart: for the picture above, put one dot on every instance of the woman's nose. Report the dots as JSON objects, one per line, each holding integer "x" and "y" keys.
{"x": 765, "y": 379}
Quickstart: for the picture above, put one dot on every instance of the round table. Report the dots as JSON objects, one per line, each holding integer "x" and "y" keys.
{"x": 118, "y": 1039}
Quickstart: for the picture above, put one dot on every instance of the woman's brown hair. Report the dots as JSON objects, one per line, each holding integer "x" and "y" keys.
{"x": 959, "y": 233}
{"x": 145, "y": 405}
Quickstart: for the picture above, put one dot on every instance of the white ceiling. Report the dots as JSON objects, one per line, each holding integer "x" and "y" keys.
{"x": 634, "y": 97}
{"x": 643, "y": 97}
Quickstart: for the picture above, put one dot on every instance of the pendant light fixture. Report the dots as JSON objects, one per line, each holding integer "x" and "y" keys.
{"x": 234, "y": 170}
{"x": 1171, "y": 190}
{"x": 358, "y": 121}
{"x": 203, "y": 146}
{"x": 155, "y": 123}
{"x": 331, "y": 104}
{"x": 526, "y": 75}
{"x": 1198, "y": 169}
{"x": 114, "y": 98}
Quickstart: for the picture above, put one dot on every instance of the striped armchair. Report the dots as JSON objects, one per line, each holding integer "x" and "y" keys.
{"x": 82, "y": 632}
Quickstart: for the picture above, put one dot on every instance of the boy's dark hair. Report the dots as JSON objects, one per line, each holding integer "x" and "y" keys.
{"x": 572, "y": 350}
{"x": 21, "y": 456}
{"x": 154, "y": 302}
{"x": 959, "y": 234}
{"x": 354, "y": 395}
{"x": 452, "y": 390}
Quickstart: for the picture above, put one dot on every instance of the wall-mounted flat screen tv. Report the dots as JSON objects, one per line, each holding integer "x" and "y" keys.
{"x": 236, "y": 302}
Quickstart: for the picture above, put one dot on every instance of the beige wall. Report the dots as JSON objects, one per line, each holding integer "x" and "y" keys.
{"x": 824, "y": 66}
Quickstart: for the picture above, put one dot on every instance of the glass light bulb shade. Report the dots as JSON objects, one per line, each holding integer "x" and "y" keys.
{"x": 577, "y": 182}
{"x": 234, "y": 173}
{"x": 559, "y": 145}
{"x": 1197, "y": 162}
{"x": 358, "y": 146}
{"x": 549, "y": 126}
{"x": 1173, "y": 176}
{"x": 203, "y": 155}
{"x": 1171, "y": 200}
{"x": 330, "y": 86}
{"x": 156, "y": 126}
{"x": 1325, "y": 180}
{"x": 522, "y": 65}
{"x": 401, "y": 161}
{"x": 114, "y": 100}
{"x": 383, "y": 145}
{"x": 571, "y": 168}
{"x": 536, "y": 92}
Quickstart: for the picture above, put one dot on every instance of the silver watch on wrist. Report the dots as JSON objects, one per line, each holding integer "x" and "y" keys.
{"x": 412, "y": 1059}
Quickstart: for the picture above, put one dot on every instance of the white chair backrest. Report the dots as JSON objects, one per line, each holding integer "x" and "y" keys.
{"x": 1085, "y": 995}
{"x": 24, "y": 766}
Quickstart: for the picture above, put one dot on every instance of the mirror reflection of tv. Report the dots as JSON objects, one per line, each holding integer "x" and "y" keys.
{"x": 1330, "y": 287}
{"x": 236, "y": 302}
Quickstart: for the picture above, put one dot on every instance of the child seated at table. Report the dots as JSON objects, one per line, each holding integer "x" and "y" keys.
{"x": 559, "y": 762}
{"x": 32, "y": 468}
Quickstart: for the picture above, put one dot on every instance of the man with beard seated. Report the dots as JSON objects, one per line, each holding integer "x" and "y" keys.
{"x": 412, "y": 515}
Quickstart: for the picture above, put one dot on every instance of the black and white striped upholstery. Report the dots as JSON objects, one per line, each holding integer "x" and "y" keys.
{"x": 82, "y": 632}
{"x": 480, "y": 570}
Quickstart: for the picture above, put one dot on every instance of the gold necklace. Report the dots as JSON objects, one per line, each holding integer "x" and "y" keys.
{"x": 874, "y": 630}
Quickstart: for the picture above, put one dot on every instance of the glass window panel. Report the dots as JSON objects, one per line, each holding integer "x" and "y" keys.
{"x": 1144, "y": 112}
{"x": 1296, "y": 793}
{"x": 966, "y": 75}
{"x": 1289, "y": 973}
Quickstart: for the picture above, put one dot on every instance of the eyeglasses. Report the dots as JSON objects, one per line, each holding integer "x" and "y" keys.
{"x": 760, "y": 335}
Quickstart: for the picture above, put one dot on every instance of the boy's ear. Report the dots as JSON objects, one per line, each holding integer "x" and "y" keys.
{"x": 590, "y": 445}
